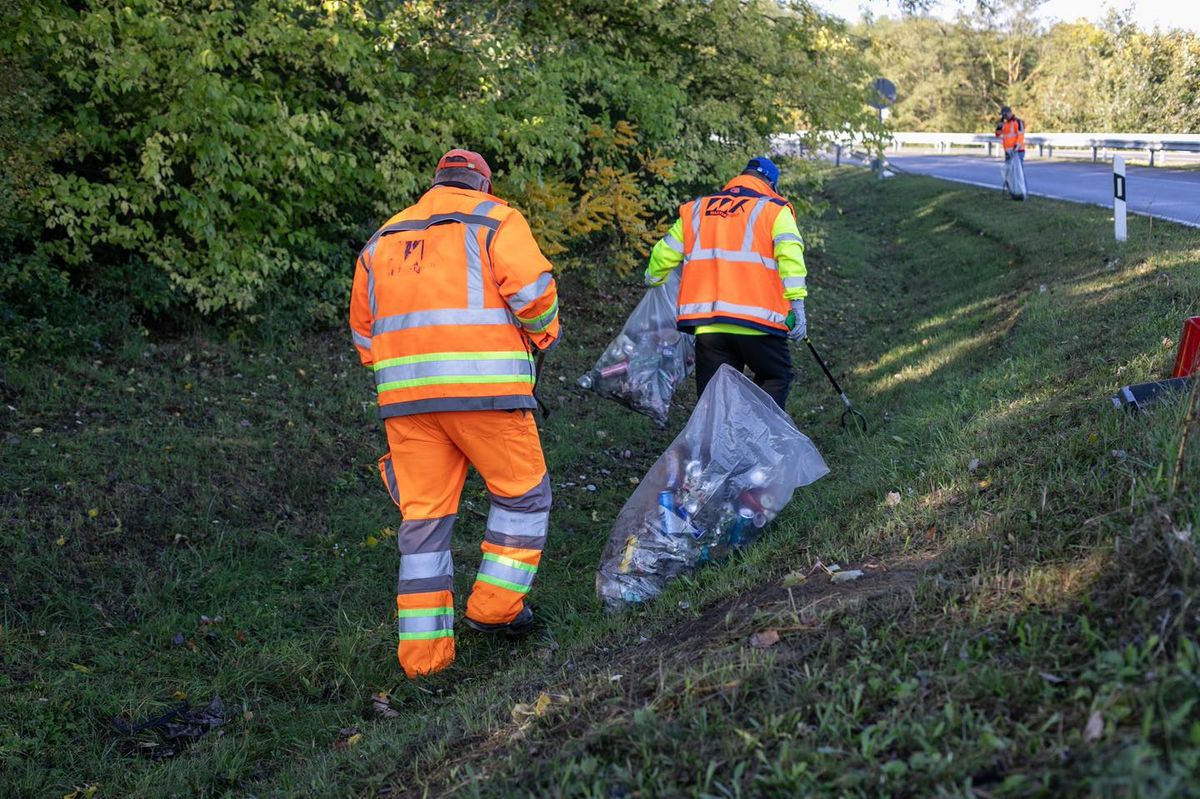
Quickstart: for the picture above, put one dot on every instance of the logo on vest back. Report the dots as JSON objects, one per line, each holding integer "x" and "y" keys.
{"x": 414, "y": 252}
{"x": 725, "y": 206}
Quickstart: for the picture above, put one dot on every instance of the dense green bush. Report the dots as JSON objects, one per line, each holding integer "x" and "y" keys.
{"x": 189, "y": 158}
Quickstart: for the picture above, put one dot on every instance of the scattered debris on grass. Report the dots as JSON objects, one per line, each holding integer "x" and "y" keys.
{"x": 764, "y": 639}
{"x": 893, "y": 499}
{"x": 174, "y": 730}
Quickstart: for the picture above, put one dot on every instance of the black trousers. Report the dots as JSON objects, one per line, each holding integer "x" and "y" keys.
{"x": 768, "y": 357}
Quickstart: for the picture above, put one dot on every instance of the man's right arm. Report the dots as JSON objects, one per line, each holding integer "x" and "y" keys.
{"x": 666, "y": 255}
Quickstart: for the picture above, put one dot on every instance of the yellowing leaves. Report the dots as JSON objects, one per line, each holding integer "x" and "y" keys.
{"x": 524, "y": 713}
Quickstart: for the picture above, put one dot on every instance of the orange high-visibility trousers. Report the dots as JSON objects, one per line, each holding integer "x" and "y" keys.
{"x": 424, "y": 471}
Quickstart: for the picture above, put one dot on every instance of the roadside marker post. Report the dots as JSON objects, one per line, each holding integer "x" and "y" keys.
{"x": 1119, "y": 197}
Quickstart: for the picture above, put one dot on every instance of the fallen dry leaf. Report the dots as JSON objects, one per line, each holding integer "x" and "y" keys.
{"x": 381, "y": 706}
{"x": 1094, "y": 728}
{"x": 764, "y": 639}
{"x": 523, "y": 713}
{"x": 893, "y": 499}
{"x": 794, "y": 578}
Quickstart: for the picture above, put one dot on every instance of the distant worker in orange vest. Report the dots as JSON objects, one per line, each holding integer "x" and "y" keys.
{"x": 451, "y": 299}
{"x": 743, "y": 286}
{"x": 1011, "y": 132}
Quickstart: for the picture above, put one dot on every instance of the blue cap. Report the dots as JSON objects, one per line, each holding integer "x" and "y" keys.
{"x": 765, "y": 168}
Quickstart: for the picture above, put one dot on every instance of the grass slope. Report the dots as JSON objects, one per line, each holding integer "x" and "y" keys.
{"x": 1026, "y": 628}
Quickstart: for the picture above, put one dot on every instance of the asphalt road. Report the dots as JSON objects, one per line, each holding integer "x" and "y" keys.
{"x": 1172, "y": 194}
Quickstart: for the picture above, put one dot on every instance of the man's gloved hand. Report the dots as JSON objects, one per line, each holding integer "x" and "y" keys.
{"x": 800, "y": 326}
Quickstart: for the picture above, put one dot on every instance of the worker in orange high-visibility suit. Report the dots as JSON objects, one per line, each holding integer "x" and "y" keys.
{"x": 1011, "y": 132}
{"x": 451, "y": 298}
{"x": 743, "y": 285}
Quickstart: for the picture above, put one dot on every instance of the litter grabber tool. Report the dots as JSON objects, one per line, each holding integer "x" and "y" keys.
{"x": 859, "y": 419}
{"x": 538, "y": 360}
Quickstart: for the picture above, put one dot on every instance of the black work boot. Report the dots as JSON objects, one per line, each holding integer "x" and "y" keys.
{"x": 522, "y": 624}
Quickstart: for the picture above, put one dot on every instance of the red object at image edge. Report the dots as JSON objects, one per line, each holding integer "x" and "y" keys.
{"x": 1187, "y": 362}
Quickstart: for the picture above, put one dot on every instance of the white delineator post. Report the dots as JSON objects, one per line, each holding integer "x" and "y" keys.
{"x": 1119, "y": 197}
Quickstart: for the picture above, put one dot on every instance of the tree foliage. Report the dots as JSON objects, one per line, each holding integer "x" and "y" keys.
{"x": 201, "y": 157}
{"x": 1073, "y": 76}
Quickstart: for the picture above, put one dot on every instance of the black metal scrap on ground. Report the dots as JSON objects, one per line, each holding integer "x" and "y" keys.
{"x": 175, "y": 729}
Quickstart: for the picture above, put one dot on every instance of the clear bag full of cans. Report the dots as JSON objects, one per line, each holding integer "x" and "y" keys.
{"x": 729, "y": 472}
{"x": 649, "y": 358}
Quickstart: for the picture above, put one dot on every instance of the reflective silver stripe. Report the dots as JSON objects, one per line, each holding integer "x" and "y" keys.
{"x": 449, "y": 316}
{"x": 474, "y": 256}
{"x": 361, "y": 340}
{"x": 454, "y": 368}
{"x": 368, "y": 252}
{"x": 506, "y": 573}
{"x": 794, "y": 283}
{"x": 696, "y": 223}
{"x": 782, "y": 237}
{"x": 426, "y": 624}
{"x": 371, "y": 292}
{"x": 542, "y": 321}
{"x": 425, "y": 535}
{"x": 426, "y": 564}
{"x": 389, "y": 479}
{"x": 517, "y": 523}
{"x": 424, "y": 585}
{"x": 531, "y": 292}
{"x": 535, "y": 499}
{"x": 474, "y": 266}
{"x": 439, "y": 219}
{"x": 721, "y": 306}
{"x": 673, "y": 243}
{"x": 504, "y": 402}
{"x": 733, "y": 256}
{"x": 748, "y": 238}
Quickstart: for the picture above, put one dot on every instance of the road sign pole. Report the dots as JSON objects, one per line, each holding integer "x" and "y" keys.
{"x": 1119, "y": 197}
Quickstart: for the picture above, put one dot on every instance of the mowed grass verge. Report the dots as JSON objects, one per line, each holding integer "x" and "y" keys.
{"x": 1027, "y": 628}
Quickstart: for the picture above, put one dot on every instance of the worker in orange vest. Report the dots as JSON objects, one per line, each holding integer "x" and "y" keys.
{"x": 743, "y": 285}
{"x": 451, "y": 299}
{"x": 1011, "y": 132}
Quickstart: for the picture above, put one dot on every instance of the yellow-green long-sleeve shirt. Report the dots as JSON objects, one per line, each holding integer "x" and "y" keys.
{"x": 789, "y": 255}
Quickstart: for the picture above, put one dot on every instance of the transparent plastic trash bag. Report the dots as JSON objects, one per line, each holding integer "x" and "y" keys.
{"x": 648, "y": 359}
{"x": 729, "y": 472}
{"x": 1014, "y": 177}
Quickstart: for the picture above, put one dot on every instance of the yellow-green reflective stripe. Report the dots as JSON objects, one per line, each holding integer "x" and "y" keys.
{"x": 505, "y": 561}
{"x": 423, "y": 612}
{"x": 487, "y": 578}
{"x": 427, "y": 636}
{"x": 547, "y": 318}
{"x": 448, "y": 379}
{"x": 453, "y": 356}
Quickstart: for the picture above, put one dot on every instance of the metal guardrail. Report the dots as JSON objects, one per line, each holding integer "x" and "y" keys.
{"x": 1155, "y": 145}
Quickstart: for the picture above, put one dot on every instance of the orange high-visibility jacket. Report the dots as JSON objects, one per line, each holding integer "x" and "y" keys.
{"x": 729, "y": 269}
{"x": 1012, "y": 134}
{"x": 447, "y": 298}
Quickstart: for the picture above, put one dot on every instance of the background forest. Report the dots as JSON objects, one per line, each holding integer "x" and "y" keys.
{"x": 1072, "y": 76}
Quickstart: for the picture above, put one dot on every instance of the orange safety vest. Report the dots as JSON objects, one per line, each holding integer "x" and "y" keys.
{"x": 1012, "y": 134}
{"x": 729, "y": 270}
{"x": 447, "y": 298}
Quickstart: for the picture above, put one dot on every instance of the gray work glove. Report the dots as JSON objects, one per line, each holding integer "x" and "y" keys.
{"x": 800, "y": 326}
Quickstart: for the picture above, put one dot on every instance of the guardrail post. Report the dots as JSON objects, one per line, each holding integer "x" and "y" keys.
{"x": 1095, "y": 153}
{"x": 1119, "y": 197}
{"x": 837, "y": 159}
{"x": 990, "y": 149}
{"x": 1050, "y": 150}
{"x": 1041, "y": 150}
{"x": 1150, "y": 152}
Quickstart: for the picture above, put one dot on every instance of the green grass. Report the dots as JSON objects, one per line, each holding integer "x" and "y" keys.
{"x": 1008, "y": 606}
